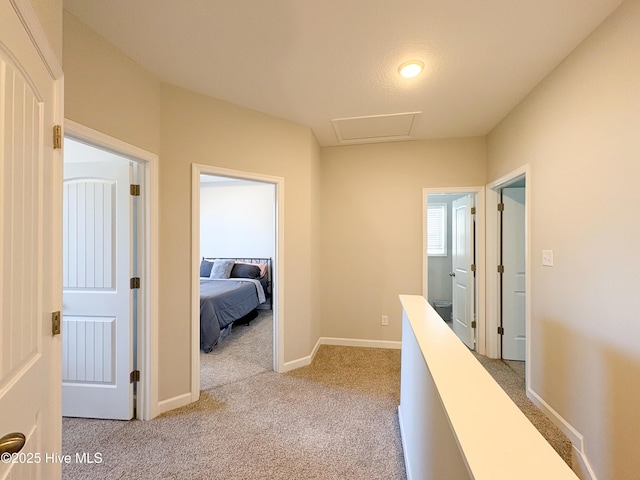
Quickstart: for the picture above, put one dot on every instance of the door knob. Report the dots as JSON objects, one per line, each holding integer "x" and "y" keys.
{"x": 12, "y": 443}
{"x": 452, "y": 274}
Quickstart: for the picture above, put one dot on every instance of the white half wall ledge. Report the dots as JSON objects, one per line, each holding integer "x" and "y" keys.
{"x": 455, "y": 420}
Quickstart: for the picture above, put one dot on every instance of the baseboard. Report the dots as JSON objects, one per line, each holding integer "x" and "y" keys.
{"x": 301, "y": 362}
{"x": 407, "y": 463}
{"x": 580, "y": 463}
{"x": 293, "y": 364}
{"x": 344, "y": 342}
{"x": 175, "y": 402}
{"x": 354, "y": 342}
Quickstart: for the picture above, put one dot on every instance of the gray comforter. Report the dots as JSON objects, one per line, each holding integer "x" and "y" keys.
{"x": 222, "y": 302}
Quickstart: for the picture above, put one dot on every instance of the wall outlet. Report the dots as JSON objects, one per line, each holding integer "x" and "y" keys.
{"x": 547, "y": 258}
{"x": 385, "y": 320}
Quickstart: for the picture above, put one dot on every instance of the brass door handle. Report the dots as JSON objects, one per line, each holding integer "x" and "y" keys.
{"x": 12, "y": 443}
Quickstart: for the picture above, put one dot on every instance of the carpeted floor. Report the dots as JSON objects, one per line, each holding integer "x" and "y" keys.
{"x": 334, "y": 419}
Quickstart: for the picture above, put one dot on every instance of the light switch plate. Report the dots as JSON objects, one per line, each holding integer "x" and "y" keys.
{"x": 547, "y": 258}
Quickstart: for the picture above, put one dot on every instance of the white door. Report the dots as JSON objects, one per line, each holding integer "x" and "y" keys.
{"x": 514, "y": 276}
{"x": 29, "y": 292}
{"x": 462, "y": 242}
{"x": 97, "y": 329}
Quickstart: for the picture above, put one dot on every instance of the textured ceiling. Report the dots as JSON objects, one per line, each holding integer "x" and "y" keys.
{"x": 315, "y": 61}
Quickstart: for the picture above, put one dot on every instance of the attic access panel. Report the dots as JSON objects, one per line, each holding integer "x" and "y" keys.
{"x": 375, "y": 128}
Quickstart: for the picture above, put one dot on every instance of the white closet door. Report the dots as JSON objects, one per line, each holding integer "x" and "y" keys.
{"x": 97, "y": 307}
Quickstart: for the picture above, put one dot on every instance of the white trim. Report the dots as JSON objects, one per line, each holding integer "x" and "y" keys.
{"x": 481, "y": 266}
{"x": 299, "y": 363}
{"x": 357, "y": 342}
{"x": 174, "y": 402}
{"x": 405, "y": 449}
{"x": 148, "y": 406}
{"x": 580, "y": 465}
{"x": 29, "y": 19}
{"x": 344, "y": 342}
{"x": 577, "y": 439}
{"x": 277, "y": 266}
{"x": 493, "y": 246}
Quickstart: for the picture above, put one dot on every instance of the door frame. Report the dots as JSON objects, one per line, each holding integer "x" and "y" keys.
{"x": 493, "y": 258}
{"x": 147, "y": 331}
{"x": 480, "y": 253}
{"x": 277, "y": 265}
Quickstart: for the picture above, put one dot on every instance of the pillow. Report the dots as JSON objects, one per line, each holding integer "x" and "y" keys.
{"x": 205, "y": 268}
{"x": 245, "y": 270}
{"x": 222, "y": 268}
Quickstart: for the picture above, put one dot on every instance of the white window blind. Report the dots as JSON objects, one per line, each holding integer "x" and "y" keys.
{"x": 437, "y": 229}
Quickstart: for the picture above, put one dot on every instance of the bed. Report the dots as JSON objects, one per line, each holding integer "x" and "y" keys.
{"x": 231, "y": 291}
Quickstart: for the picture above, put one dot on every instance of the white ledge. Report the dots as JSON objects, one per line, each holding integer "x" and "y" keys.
{"x": 494, "y": 438}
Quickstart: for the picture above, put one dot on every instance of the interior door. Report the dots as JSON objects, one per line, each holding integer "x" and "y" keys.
{"x": 97, "y": 356}
{"x": 462, "y": 245}
{"x": 29, "y": 372}
{"x": 514, "y": 276}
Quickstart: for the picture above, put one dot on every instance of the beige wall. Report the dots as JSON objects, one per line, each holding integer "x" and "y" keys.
{"x": 372, "y": 226}
{"x": 580, "y": 132}
{"x": 108, "y": 92}
{"x": 199, "y": 129}
{"x": 105, "y": 90}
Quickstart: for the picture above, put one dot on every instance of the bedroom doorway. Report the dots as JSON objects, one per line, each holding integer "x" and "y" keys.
{"x": 237, "y": 217}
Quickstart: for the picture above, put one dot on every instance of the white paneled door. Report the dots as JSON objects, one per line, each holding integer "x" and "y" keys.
{"x": 97, "y": 329}
{"x": 29, "y": 411}
{"x": 462, "y": 245}
{"x": 514, "y": 276}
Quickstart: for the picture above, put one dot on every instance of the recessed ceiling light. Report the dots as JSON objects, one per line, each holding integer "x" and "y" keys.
{"x": 411, "y": 68}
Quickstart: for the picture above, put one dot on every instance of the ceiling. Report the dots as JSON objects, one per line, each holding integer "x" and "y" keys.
{"x": 317, "y": 63}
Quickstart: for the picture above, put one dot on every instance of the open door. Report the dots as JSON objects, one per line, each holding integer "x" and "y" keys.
{"x": 29, "y": 292}
{"x": 514, "y": 275}
{"x": 463, "y": 278}
{"x": 97, "y": 355}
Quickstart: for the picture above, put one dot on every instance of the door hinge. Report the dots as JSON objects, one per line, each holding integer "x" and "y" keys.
{"x": 500, "y": 331}
{"x": 473, "y": 267}
{"x": 500, "y": 268}
{"x": 501, "y": 207}
{"x": 55, "y": 323}
{"x": 473, "y": 324}
{"x": 57, "y": 136}
{"x": 135, "y": 282}
{"x": 473, "y": 210}
{"x": 134, "y": 376}
{"x": 135, "y": 190}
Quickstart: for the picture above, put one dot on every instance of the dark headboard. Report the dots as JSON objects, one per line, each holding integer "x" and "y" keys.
{"x": 255, "y": 260}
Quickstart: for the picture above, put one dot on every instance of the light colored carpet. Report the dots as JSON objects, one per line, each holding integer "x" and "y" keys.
{"x": 334, "y": 419}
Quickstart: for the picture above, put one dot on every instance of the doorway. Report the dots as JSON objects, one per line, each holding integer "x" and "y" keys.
{"x": 508, "y": 244}
{"x": 103, "y": 356}
{"x": 99, "y": 260}
{"x": 513, "y": 272}
{"x": 237, "y": 223}
{"x": 276, "y": 184}
{"x": 453, "y": 259}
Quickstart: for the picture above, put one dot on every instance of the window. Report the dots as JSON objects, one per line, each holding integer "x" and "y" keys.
{"x": 437, "y": 230}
